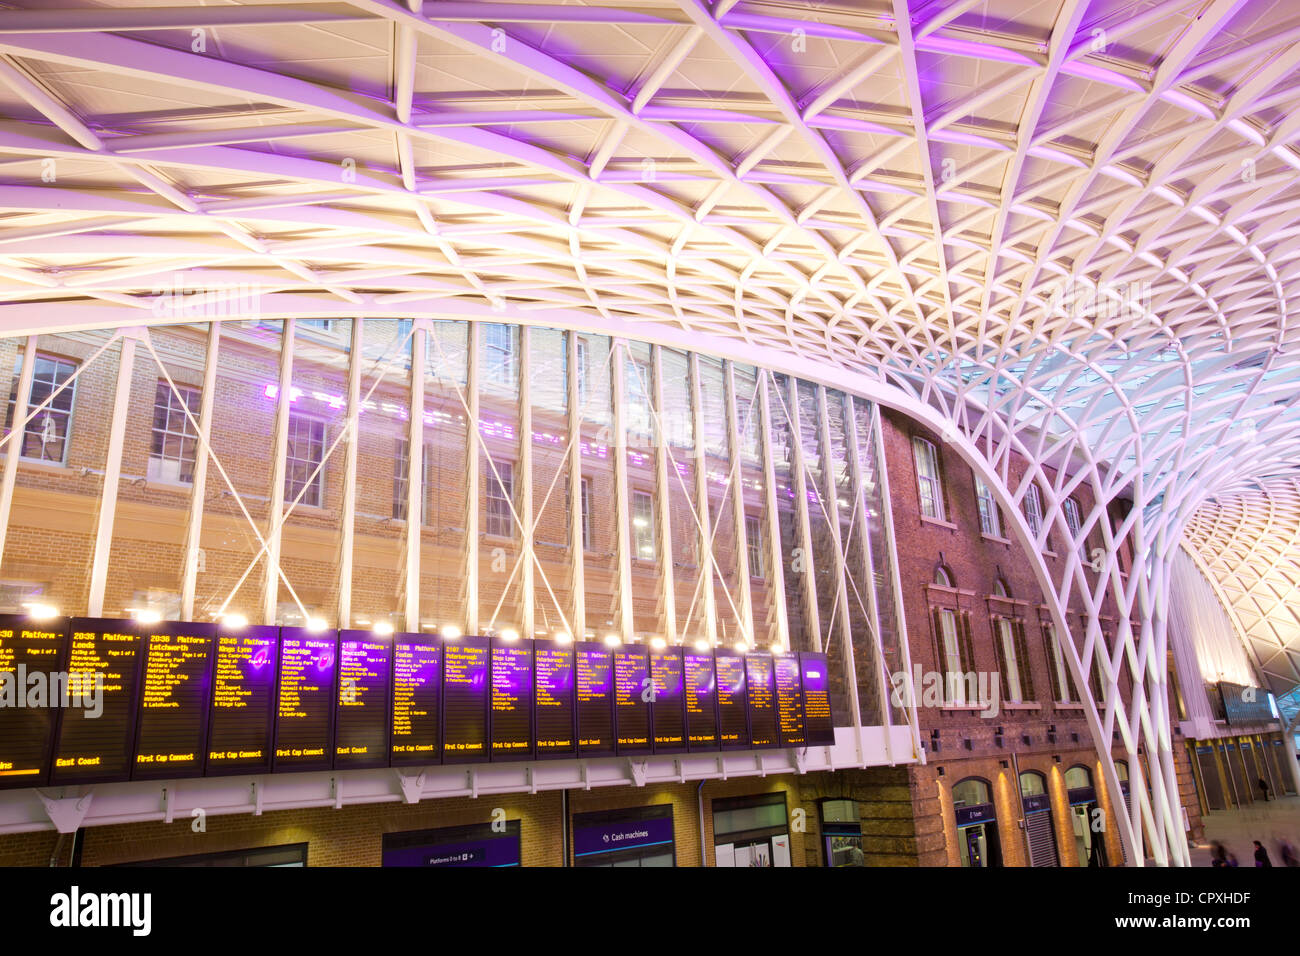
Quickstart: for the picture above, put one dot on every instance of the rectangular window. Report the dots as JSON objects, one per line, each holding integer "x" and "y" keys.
{"x": 46, "y": 435}
{"x": 500, "y": 493}
{"x": 586, "y": 514}
{"x": 1075, "y": 524}
{"x": 581, "y": 371}
{"x": 990, "y": 517}
{"x": 754, "y": 546}
{"x": 499, "y": 353}
{"x": 643, "y": 525}
{"x": 954, "y": 691}
{"x": 400, "y": 470}
{"x": 175, "y": 441}
{"x": 1011, "y": 689}
{"x": 636, "y": 377}
{"x": 305, "y": 451}
{"x": 1033, "y": 509}
{"x": 927, "y": 478}
{"x": 1060, "y": 674}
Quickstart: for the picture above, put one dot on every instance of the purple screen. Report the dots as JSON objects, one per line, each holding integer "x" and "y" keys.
{"x": 417, "y": 699}
{"x": 762, "y": 700}
{"x": 789, "y": 701}
{"x": 361, "y": 721}
{"x": 304, "y": 719}
{"x": 595, "y": 699}
{"x": 701, "y": 702}
{"x": 28, "y": 648}
{"x": 464, "y": 699}
{"x": 669, "y": 716}
{"x": 512, "y": 700}
{"x": 733, "y": 721}
{"x": 816, "y": 699}
{"x": 631, "y": 708}
{"x": 177, "y": 688}
{"x": 554, "y": 698}
{"x": 243, "y": 695}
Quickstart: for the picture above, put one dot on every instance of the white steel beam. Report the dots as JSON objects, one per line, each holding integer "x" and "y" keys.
{"x": 112, "y": 473}
{"x": 351, "y": 452}
{"x": 199, "y": 489}
{"x": 279, "y": 466}
{"x": 412, "y": 535}
{"x": 704, "y": 520}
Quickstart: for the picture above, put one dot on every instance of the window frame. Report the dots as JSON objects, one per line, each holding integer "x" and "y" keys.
{"x": 989, "y": 514}
{"x": 400, "y": 470}
{"x": 69, "y": 413}
{"x": 491, "y": 513}
{"x": 929, "y": 487}
{"x": 637, "y": 495}
{"x": 290, "y": 495}
{"x": 504, "y": 373}
{"x": 754, "y": 542}
{"x": 186, "y": 435}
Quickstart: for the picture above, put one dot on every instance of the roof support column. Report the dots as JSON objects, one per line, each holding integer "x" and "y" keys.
{"x": 663, "y": 513}
{"x": 279, "y": 447}
{"x": 799, "y": 478}
{"x": 577, "y": 547}
{"x": 413, "y": 534}
{"x": 527, "y": 586}
{"x": 772, "y": 513}
{"x": 472, "y": 478}
{"x": 745, "y": 603}
{"x": 112, "y": 473}
{"x": 198, "y": 490}
{"x": 624, "y": 542}
{"x": 704, "y": 521}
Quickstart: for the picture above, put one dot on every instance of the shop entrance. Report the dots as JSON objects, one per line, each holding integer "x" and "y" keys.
{"x": 1086, "y": 819}
{"x": 977, "y": 824}
{"x": 751, "y": 831}
{"x": 841, "y": 833}
{"x": 1039, "y": 831}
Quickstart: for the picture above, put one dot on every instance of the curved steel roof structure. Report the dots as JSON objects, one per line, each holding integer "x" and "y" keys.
{"x": 1064, "y": 228}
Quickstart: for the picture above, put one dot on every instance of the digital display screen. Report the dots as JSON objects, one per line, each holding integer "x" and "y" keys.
{"x": 30, "y": 653}
{"x": 361, "y": 719}
{"x": 818, "y": 724}
{"x": 304, "y": 716}
{"x": 464, "y": 699}
{"x": 177, "y": 690}
{"x": 762, "y": 701}
{"x": 701, "y": 702}
{"x": 243, "y": 700}
{"x": 669, "y": 702}
{"x": 554, "y": 684}
{"x": 417, "y": 699}
{"x": 631, "y": 700}
{"x": 511, "y": 714}
{"x": 594, "y": 683}
{"x": 733, "y": 715}
{"x": 789, "y": 701}
{"x": 97, "y": 730}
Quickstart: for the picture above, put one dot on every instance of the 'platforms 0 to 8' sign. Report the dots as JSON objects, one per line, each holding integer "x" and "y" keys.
{"x": 89, "y": 701}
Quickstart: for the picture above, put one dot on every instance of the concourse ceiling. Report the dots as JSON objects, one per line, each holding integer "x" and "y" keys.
{"x": 1067, "y": 213}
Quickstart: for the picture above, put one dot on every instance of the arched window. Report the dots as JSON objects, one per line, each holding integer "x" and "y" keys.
{"x": 971, "y": 792}
{"x": 943, "y": 577}
{"x": 1032, "y": 783}
{"x": 1077, "y": 778}
{"x": 1000, "y": 588}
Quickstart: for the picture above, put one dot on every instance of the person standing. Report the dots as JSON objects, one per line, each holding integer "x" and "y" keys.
{"x": 1263, "y": 788}
{"x": 1261, "y": 855}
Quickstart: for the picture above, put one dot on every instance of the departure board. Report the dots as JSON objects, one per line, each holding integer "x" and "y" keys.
{"x": 762, "y": 701}
{"x": 464, "y": 699}
{"x": 361, "y": 721}
{"x": 819, "y": 725}
{"x": 669, "y": 715}
{"x": 631, "y": 700}
{"x": 701, "y": 701}
{"x": 510, "y": 714}
{"x": 243, "y": 700}
{"x": 172, "y": 737}
{"x": 594, "y": 686}
{"x": 304, "y": 712}
{"x": 417, "y": 699}
{"x": 553, "y": 704}
{"x": 96, "y": 732}
{"x": 789, "y": 701}
{"x": 32, "y": 654}
{"x": 733, "y": 715}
